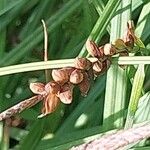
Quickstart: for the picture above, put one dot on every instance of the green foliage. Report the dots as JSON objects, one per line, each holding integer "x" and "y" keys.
{"x": 69, "y": 24}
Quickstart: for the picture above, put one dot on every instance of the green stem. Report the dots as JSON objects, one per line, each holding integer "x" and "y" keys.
{"x": 52, "y": 64}
{"x": 135, "y": 95}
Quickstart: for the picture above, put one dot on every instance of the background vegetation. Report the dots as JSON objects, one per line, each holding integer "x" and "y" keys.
{"x": 70, "y": 23}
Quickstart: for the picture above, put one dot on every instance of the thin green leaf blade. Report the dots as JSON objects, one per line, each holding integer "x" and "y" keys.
{"x": 135, "y": 95}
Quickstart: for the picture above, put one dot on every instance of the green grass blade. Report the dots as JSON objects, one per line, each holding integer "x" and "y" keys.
{"x": 35, "y": 20}
{"x": 8, "y": 17}
{"x": 34, "y": 136}
{"x": 4, "y": 139}
{"x": 135, "y": 95}
{"x": 142, "y": 29}
{"x": 99, "y": 5}
{"x": 69, "y": 140}
{"x": 142, "y": 114}
{"x": 9, "y": 7}
{"x": 17, "y": 53}
{"x": 101, "y": 24}
{"x": 116, "y": 84}
{"x": 138, "y": 3}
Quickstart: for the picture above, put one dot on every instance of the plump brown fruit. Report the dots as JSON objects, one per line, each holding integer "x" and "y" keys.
{"x": 93, "y": 49}
{"x": 60, "y": 75}
{"x": 52, "y": 87}
{"x": 37, "y": 88}
{"x": 82, "y": 63}
{"x": 76, "y": 76}
{"x": 109, "y": 49}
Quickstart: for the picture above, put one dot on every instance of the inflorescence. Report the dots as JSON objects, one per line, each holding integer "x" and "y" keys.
{"x": 83, "y": 72}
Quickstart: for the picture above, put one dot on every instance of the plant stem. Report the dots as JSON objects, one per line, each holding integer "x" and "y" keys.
{"x": 69, "y": 63}
{"x": 45, "y": 50}
{"x": 20, "y": 106}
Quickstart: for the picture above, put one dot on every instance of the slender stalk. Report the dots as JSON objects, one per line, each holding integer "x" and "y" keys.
{"x": 20, "y": 107}
{"x": 68, "y": 63}
{"x": 45, "y": 49}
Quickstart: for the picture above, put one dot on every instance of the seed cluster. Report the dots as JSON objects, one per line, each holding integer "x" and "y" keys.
{"x": 64, "y": 80}
{"x": 83, "y": 72}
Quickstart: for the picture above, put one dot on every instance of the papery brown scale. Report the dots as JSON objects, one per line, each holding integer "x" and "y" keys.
{"x": 130, "y": 26}
{"x": 109, "y": 49}
{"x": 101, "y": 52}
{"x": 50, "y": 104}
{"x": 60, "y": 75}
{"x": 129, "y": 41}
{"x": 84, "y": 86}
{"x": 106, "y": 65}
{"x": 82, "y": 63}
{"x": 66, "y": 94}
{"x": 101, "y": 67}
{"x": 52, "y": 87}
{"x": 76, "y": 76}
{"x": 37, "y": 88}
{"x": 97, "y": 67}
{"x": 129, "y": 37}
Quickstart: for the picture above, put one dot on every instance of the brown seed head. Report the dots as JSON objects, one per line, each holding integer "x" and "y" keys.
{"x": 109, "y": 49}
{"x": 60, "y": 75}
{"x": 82, "y": 63}
{"x": 76, "y": 76}
{"x": 93, "y": 49}
{"x": 52, "y": 87}
{"x": 37, "y": 88}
